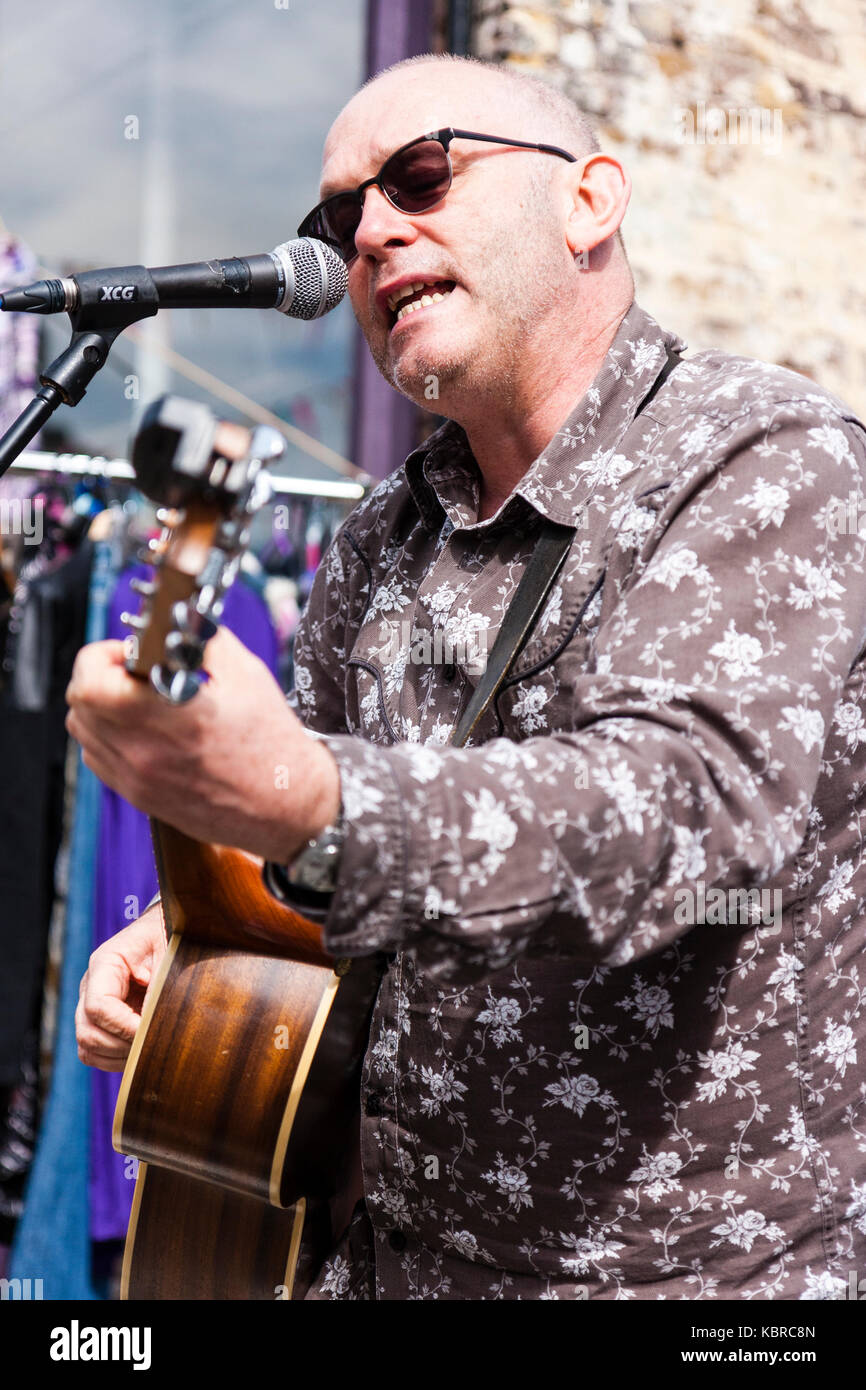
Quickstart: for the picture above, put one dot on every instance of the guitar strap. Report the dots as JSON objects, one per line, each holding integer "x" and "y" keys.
{"x": 553, "y": 545}
{"x": 545, "y": 562}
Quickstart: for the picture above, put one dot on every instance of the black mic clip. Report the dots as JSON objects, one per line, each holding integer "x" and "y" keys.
{"x": 114, "y": 298}
{"x": 108, "y": 302}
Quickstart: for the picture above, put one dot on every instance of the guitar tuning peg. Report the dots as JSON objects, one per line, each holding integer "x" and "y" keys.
{"x": 143, "y": 587}
{"x": 178, "y": 687}
{"x": 149, "y": 554}
{"x": 194, "y": 625}
{"x": 183, "y": 652}
{"x": 133, "y": 620}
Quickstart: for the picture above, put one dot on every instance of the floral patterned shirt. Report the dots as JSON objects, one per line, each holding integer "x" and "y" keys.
{"x": 618, "y": 1044}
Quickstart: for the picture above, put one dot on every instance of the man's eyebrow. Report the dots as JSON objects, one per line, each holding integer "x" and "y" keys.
{"x": 378, "y": 156}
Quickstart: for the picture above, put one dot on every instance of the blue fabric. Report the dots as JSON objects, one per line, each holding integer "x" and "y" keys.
{"x": 52, "y": 1240}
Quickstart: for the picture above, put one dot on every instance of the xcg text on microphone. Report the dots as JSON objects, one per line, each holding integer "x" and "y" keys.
{"x": 304, "y": 278}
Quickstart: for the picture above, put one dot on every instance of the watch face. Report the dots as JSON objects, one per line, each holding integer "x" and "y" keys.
{"x": 316, "y": 867}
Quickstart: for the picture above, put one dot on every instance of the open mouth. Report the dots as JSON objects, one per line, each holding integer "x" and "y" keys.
{"x": 408, "y": 299}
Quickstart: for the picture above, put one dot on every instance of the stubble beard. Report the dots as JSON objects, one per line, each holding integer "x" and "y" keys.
{"x": 510, "y": 299}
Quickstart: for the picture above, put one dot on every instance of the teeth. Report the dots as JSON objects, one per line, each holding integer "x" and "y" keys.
{"x": 421, "y": 303}
{"x": 405, "y": 291}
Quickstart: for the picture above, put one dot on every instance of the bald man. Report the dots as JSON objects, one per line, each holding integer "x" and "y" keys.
{"x": 614, "y": 1052}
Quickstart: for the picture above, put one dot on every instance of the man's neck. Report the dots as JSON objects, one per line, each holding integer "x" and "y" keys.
{"x": 507, "y": 435}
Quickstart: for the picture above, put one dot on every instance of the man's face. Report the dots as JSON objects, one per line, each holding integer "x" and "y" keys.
{"x": 490, "y": 249}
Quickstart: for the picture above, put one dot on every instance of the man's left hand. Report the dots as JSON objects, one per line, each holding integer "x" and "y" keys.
{"x": 233, "y": 766}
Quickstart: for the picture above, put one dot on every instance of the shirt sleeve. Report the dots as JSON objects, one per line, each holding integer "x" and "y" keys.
{"x": 319, "y": 653}
{"x": 694, "y": 744}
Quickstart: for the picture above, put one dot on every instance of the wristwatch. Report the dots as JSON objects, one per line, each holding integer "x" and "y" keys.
{"x": 310, "y": 879}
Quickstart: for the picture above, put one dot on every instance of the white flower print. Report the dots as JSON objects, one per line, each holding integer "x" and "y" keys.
{"x": 785, "y": 975}
{"x": 838, "y": 1046}
{"x": 650, "y": 1004}
{"x": 388, "y": 598}
{"x": 528, "y": 709}
{"x": 857, "y": 1206}
{"x": 738, "y": 652}
{"x": 440, "y": 601}
{"x": 552, "y": 613}
{"x": 675, "y": 564}
{"x": 384, "y": 1051}
{"x": 338, "y": 1277}
{"x": 725, "y": 1066}
{"x": 770, "y": 501}
{"x": 588, "y": 1251}
{"x": 575, "y": 1092}
{"x": 635, "y": 524}
{"x": 848, "y": 719}
{"x": 807, "y": 725}
{"x": 490, "y": 821}
{"x": 425, "y": 764}
{"x": 619, "y": 784}
{"x": 643, "y": 355}
{"x": 360, "y": 798}
{"x": 818, "y": 583}
{"x": 658, "y": 1173}
{"x": 837, "y": 889}
{"x": 743, "y": 1229}
{"x": 443, "y": 1087}
{"x": 465, "y": 1244}
{"x": 823, "y": 1286}
{"x": 503, "y": 1014}
{"x": 394, "y": 1202}
{"x": 695, "y": 437}
{"x": 688, "y": 860}
{"x": 511, "y": 1181}
{"x": 304, "y": 689}
{"x": 833, "y": 440}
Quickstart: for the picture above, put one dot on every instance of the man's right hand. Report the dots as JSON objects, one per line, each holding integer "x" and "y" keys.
{"x": 112, "y": 992}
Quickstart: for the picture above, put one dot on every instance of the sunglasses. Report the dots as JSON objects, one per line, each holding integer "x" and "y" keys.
{"x": 415, "y": 178}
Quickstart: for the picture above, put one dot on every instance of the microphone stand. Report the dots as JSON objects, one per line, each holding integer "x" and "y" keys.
{"x": 96, "y": 322}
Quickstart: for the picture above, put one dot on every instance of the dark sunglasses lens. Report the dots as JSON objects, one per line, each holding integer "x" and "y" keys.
{"x": 417, "y": 178}
{"x": 336, "y": 222}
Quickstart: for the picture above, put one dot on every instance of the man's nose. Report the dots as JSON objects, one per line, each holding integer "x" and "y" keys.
{"x": 382, "y": 225}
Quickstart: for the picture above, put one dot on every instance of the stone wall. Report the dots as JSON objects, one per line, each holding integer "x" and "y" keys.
{"x": 743, "y": 126}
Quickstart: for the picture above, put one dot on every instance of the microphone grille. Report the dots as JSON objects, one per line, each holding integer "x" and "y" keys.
{"x": 317, "y": 277}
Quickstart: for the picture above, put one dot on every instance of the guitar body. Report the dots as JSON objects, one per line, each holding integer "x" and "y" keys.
{"x": 241, "y": 1093}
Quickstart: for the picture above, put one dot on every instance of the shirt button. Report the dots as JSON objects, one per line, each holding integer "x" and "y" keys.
{"x": 448, "y": 673}
{"x": 397, "y": 1241}
{"x": 373, "y": 1104}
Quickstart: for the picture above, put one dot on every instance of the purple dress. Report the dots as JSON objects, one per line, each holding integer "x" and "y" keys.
{"x": 125, "y": 883}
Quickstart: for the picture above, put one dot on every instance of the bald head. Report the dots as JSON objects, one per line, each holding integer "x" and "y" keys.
{"x": 552, "y": 117}
{"x": 502, "y": 251}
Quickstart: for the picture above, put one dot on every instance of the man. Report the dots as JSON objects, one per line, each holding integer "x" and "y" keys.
{"x": 614, "y": 1052}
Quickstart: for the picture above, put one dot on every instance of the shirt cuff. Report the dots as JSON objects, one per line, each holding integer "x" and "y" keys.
{"x": 383, "y": 875}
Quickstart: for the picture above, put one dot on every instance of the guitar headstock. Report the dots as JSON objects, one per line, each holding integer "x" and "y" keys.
{"x": 208, "y": 477}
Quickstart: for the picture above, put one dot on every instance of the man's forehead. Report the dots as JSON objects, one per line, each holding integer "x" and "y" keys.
{"x": 399, "y": 108}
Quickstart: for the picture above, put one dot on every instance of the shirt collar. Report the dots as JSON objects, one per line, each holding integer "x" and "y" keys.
{"x": 444, "y": 477}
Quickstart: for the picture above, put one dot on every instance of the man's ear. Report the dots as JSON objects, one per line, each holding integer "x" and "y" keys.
{"x": 598, "y": 190}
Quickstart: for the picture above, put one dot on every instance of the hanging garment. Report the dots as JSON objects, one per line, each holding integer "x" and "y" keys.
{"x": 19, "y": 334}
{"x": 44, "y": 631}
{"x": 52, "y": 1235}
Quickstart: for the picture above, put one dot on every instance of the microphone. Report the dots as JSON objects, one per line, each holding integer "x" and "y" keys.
{"x": 304, "y": 278}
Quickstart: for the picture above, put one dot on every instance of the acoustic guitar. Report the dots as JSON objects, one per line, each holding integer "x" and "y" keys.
{"x": 240, "y": 1096}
